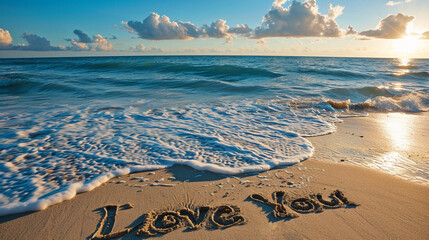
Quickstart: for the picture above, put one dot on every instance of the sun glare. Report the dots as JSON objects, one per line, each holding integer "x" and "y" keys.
{"x": 407, "y": 45}
{"x": 397, "y": 126}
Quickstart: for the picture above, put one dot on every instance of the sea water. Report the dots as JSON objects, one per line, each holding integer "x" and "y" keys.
{"x": 69, "y": 124}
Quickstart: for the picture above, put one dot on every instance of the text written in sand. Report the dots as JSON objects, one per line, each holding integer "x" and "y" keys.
{"x": 162, "y": 222}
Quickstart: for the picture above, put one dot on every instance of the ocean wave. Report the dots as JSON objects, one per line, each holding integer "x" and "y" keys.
{"x": 69, "y": 124}
{"x": 409, "y": 102}
{"x": 407, "y": 67}
{"x": 63, "y": 153}
{"x": 421, "y": 74}
{"x": 338, "y": 73}
{"x": 364, "y": 91}
{"x": 22, "y": 84}
{"x": 205, "y": 85}
{"x": 221, "y": 71}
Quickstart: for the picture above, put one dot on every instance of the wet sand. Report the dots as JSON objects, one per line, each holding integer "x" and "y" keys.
{"x": 390, "y": 207}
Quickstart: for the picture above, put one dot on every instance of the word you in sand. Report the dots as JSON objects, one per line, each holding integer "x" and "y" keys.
{"x": 162, "y": 222}
{"x": 287, "y": 207}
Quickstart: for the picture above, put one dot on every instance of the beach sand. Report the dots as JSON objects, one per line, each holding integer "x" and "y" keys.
{"x": 390, "y": 207}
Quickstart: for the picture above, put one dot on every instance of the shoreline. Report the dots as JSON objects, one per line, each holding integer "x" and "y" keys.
{"x": 387, "y": 202}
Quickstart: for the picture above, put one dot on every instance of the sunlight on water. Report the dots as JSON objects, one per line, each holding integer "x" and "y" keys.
{"x": 403, "y": 61}
{"x": 401, "y": 72}
{"x": 397, "y": 126}
{"x": 69, "y": 124}
{"x": 404, "y": 65}
{"x": 392, "y": 162}
{"x": 397, "y": 86}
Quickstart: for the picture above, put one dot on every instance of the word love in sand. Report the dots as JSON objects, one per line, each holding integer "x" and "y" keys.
{"x": 166, "y": 221}
{"x": 286, "y": 207}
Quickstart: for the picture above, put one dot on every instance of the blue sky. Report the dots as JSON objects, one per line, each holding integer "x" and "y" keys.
{"x": 103, "y": 22}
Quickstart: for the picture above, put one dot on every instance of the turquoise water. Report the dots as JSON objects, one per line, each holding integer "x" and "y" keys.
{"x": 69, "y": 124}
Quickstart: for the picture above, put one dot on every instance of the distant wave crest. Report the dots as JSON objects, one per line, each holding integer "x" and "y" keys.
{"x": 339, "y": 73}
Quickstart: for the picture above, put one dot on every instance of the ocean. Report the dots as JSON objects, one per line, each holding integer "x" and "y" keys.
{"x": 69, "y": 124}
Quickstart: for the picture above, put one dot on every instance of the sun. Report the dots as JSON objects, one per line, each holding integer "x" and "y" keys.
{"x": 407, "y": 45}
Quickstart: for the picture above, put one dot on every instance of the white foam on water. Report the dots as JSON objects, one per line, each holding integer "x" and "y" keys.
{"x": 75, "y": 150}
{"x": 66, "y": 193}
{"x": 413, "y": 102}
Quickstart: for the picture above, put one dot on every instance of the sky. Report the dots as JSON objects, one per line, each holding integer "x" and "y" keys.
{"x": 345, "y": 28}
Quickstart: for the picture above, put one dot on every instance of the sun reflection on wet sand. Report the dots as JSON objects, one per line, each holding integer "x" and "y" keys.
{"x": 397, "y": 126}
{"x": 399, "y": 131}
{"x": 393, "y": 163}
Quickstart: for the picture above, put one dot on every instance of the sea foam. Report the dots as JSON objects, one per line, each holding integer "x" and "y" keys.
{"x": 75, "y": 150}
{"x": 69, "y": 124}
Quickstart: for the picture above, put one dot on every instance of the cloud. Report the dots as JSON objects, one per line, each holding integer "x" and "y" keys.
{"x": 101, "y": 44}
{"x": 85, "y": 43}
{"x": 318, "y": 40}
{"x": 156, "y": 27}
{"x": 83, "y": 37}
{"x": 363, "y": 38}
{"x": 141, "y": 48}
{"x": 393, "y": 3}
{"x": 242, "y": 29}
{"x": 78, "y": 46}
{"x": 279, "y": 3}
{"x": 34, "y": 43}
{"x": 350, "y": 31}
{"x": 391, "y": 27}
{"x": 261, "y": 42}
{"x": 5, "y": 39}
{"x": 218, "y": 29}
{"x": 425, "y": 35}
{"x": 37, "y": 43}
{"x": 300, "y": 19}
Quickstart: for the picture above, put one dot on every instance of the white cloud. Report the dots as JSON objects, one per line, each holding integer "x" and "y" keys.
{"x": 391, "y": 27}
{"x": 279, "y": 3}
{"x": 141, "y": 48}
{"x": 242, "y": 29}
{"x": 34, "y": 43}
{"x": 363, "y": 38}
{"x": 101, "y": 44}
{"x": 79, "y": 46}
{"x": 218, "y": 29}
{"x": 393, "y": 3}
{"x": 156, "y": 27}
{"x": 425, "y": 35}
{"x": 85, "y": 43}
{"x": 334, "y": 12}
{"x": 5, "y": 39}
{"x": 300, "y": 19}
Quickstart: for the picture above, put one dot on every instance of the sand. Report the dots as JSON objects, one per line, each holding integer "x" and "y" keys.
{"x": 389, "y": 207}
